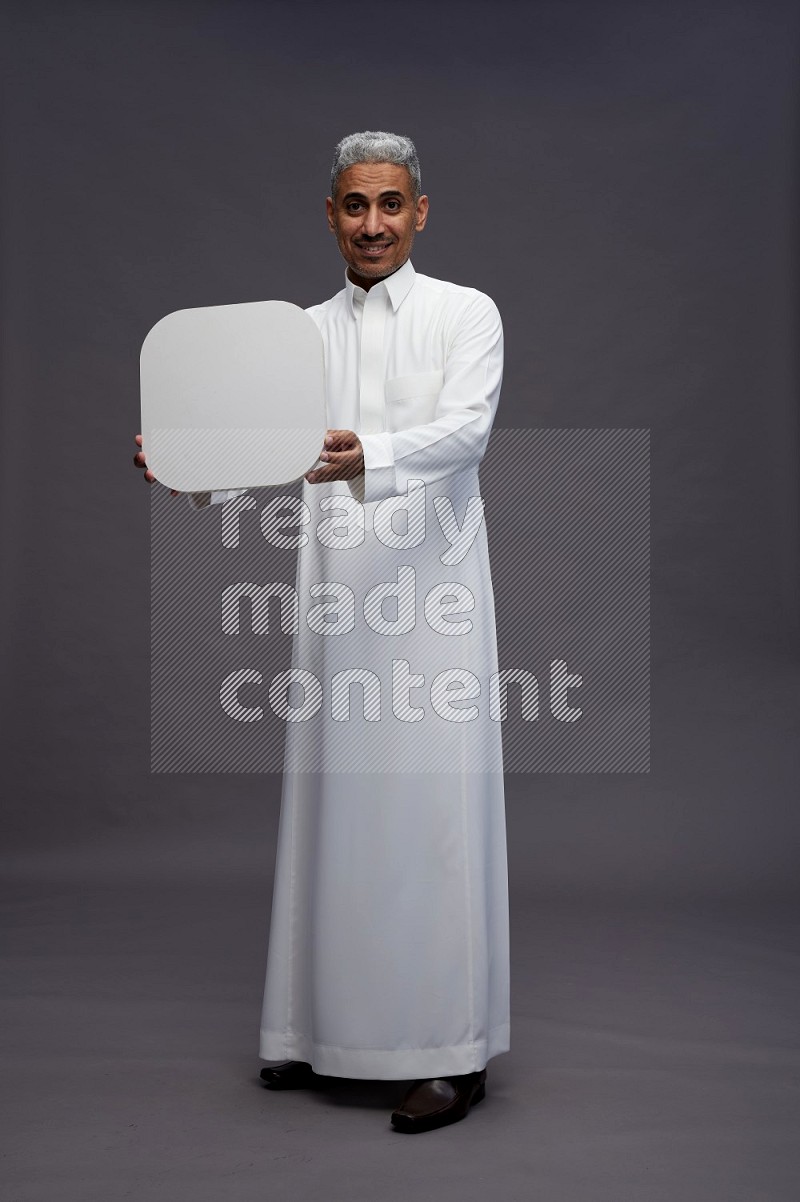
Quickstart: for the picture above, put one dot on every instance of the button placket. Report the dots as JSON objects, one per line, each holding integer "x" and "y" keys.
{"x": 371, "y": 393}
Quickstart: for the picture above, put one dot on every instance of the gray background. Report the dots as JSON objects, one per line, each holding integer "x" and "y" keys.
{"x": 622, "y": 180}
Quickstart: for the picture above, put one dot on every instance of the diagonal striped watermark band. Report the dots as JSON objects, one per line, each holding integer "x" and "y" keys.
{"x": 481, "y": 623}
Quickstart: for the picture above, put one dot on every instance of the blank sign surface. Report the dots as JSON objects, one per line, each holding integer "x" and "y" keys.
{"x": 233, "y": 396}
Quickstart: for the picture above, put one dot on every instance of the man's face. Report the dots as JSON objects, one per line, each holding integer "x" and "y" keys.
{"x": 374, "y": 218}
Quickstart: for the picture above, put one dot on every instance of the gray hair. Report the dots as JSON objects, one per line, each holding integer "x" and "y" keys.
{"x": 376, "y": 146}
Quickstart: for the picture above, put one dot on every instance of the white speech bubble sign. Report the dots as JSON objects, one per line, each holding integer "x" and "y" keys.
{"x": 233, "y": 396}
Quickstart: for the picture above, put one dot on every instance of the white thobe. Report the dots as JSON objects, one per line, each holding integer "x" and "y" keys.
{"x": 388, "y": 951}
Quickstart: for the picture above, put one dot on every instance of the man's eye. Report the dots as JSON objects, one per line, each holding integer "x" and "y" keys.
{"x": 353, "y": 206}
{"x": 393, "y": 205}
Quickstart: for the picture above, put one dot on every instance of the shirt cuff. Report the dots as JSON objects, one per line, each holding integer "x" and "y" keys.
{"x": 201, "y": 500}
{"x": 377, "y": 482}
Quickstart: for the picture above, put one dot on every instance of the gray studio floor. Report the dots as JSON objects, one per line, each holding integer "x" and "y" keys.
{"x": 655, "y": 1050}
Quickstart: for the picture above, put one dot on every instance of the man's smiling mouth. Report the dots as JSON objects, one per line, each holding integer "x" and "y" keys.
{"x": 373, "y": 248}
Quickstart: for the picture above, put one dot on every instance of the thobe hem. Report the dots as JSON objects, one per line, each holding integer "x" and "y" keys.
{"x": 375, "y": 1064}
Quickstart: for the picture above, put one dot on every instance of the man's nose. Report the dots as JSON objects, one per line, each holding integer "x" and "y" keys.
{"x": 373, "y": 222}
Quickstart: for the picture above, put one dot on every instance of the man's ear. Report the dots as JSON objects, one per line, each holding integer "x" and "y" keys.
{"x": 330, "y": 210}
{"x": 422, "y": 213}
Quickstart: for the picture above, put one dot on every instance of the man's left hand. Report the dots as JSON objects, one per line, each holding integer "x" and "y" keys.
{"x": 343, "y": 458}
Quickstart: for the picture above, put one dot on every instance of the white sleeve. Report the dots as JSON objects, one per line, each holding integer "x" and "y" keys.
{"x": 465, "y": 410}
{"x": 201, "y": 500}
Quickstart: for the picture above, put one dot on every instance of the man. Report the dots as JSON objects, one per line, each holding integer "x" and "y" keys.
{"x": 388, "y": 950}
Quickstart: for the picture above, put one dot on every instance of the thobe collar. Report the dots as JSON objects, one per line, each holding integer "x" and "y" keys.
{"x": 397, "y": 286}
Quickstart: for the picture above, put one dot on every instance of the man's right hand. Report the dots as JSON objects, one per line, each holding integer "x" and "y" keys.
{"x": 139, "y": 460}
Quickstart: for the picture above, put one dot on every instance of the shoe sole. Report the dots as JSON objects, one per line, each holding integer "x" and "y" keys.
{"x": 306, "y": 1081}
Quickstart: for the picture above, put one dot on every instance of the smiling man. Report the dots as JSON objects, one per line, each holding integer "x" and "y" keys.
{"x": 375, "y": 214}
{"x": 388, "y": 952}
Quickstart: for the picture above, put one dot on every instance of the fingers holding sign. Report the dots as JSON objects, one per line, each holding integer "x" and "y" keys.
{"x": 140, "y": 461}
{"x": 342, "y": 456}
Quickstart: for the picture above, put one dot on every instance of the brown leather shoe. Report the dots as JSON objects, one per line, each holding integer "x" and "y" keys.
{"x": 437, "y": 1101}
{"x": 289, "y": 1074}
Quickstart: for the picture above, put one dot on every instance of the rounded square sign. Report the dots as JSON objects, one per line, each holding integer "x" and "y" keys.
{"x": 233, "y": 396}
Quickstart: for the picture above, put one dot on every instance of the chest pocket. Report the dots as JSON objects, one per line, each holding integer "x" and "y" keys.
{"x": 411, "y": 400}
